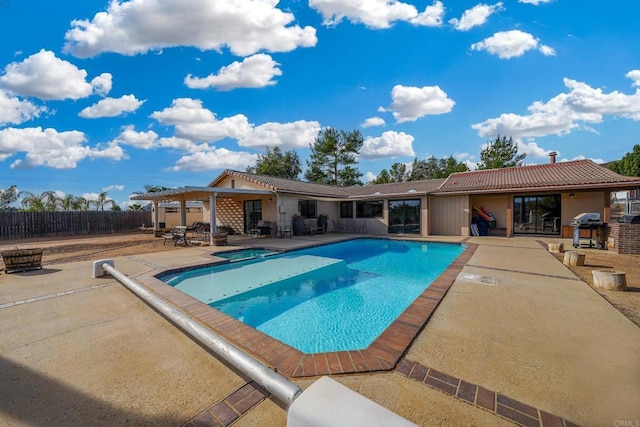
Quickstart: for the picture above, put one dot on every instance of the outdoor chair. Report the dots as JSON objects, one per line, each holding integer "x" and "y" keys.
{"x": 263, "y": 229}
{"x": 177, "y": 235}
{"x": 283, "y": 232}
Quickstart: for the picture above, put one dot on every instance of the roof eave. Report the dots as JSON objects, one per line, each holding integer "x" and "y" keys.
{"x": 572, "y": 187}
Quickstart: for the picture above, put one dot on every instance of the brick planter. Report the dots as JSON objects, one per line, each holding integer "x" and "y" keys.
{"x": 624, "y": 238}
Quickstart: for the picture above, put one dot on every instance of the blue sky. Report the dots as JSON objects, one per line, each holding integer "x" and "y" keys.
{"x": 98, "y": 96}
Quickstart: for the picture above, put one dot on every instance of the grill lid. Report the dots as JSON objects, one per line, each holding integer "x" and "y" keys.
{"x": 585, "y": 218}
{"x": 629, "y": 219}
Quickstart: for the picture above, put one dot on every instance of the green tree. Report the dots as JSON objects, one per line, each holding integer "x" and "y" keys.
{"x": 629, "y": 165}
{"x": 153, "y": 189}
{"x": 433, "y": 168}
{"x": 45, "y": 201}
{"x": 501, "y": 153}
{"x": 7, "y": 197}
{"x": 382, "y": 178}
{"x": 333, "y": 155}
{"x": 73, "y": 203}
{"x": 102, "y": 201}
{"x": 278, "y": 164}
{"x": 398, "y": 172}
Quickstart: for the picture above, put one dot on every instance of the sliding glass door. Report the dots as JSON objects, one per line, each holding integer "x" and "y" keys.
{"x": 536, "y": 214}
{"x": 252, "y": 214}
{"x": 404, "y": 216}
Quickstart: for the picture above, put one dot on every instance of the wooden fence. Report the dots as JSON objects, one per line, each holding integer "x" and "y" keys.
{"x": 26, "y": 225}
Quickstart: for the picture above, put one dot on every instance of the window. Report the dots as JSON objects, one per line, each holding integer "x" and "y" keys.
{"x": 171, "y": 210}
{"x": 346, "y": 209}
{"x": 371, "y": 209}
{"x": 307, "y": 208}
{"x": 404, "y": 216}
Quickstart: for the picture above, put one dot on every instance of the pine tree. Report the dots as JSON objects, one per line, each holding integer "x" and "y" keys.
{"x": 501, "y": 153}
{"x": 333, "y": 155}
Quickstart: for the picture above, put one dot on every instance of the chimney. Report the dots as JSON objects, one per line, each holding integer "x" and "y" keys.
{"x": 552, "y": 157}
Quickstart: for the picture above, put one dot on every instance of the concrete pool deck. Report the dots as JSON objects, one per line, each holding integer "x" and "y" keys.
{"x": 517, "y": 338}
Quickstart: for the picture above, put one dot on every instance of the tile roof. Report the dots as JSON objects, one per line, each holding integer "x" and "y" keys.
{"x": 321, "y": 190}
{"x": 574, "y": 174}
{"x": 285, "y": 185}
{"x": 553, "y": 176}
{"x": 421, "y": 187}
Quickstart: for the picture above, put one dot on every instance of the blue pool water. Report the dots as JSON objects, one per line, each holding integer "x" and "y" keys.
{"x": 334, "y": 297}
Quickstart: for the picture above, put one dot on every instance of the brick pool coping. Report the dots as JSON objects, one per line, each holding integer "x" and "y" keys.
{"x": 382, "y": 355}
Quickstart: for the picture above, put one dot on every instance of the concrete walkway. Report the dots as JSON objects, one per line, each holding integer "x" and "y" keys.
{"x": 81, "y": 351}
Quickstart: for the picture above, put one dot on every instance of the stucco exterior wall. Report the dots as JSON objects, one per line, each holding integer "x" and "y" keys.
{"x": 580, "y": 203}
{"x": 496, "y": 204}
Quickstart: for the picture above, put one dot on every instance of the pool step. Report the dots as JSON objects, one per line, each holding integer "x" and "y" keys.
{"x": 235, "y": 281}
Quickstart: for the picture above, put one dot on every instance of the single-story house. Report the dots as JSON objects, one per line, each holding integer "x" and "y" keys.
{"x": 525, "y": 200}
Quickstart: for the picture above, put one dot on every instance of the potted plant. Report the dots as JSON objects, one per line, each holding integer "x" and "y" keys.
{"x": 297, "y": 224}
{"x": 323, "y": 220}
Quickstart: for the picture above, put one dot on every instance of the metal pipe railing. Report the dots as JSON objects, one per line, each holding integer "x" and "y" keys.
{"x": 283, "y": 389}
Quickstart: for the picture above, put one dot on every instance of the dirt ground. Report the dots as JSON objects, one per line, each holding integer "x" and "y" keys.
{"x": 57, "y": 251}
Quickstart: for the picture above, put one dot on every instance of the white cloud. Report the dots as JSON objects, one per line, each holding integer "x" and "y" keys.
{"x": 467, "y": 159}
{"x": 299, "y": 134}
{"x": 372, "y": 13}
{"x": 182, "y": 144}
{"x": 509, "y": 44}
{"x": 581, "y": 157}
{"x": 254, "y": 72}
{"x": 43, "y": 75}
{"x": 565, "y": 112}
{"x": 431, "y": 17}
{"x": 217, "y": 158}
{"x": 547, "y": 50}
{"x": 134, "y": 27}
{"x": 142, "y": 140}
{"x": 411, "y": 103}
{"x": 15, "y": 111}
{"x": 117, "y": 187}
{"x": 475, "y": 16}
{"x": 373, "y": 121}
{"x": 389, "y": 145}
{"x": 196, "y": 123}
{"x": 635, "y": 76}
{"x": 111, "y": 107}
{"x": 102, "y": 84}
{"x": 48, "y": 147}
{"x": 534, "y": 2}
{"x": 532, "y": 149}
{"x": 369, "y": 176}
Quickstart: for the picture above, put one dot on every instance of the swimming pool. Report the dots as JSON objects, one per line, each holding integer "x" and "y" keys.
{"x": 334, "y": 297}
{"x": 244, "y": 254}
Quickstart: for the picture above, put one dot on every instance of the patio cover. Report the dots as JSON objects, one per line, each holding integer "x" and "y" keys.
{"x": 189, "y": 193}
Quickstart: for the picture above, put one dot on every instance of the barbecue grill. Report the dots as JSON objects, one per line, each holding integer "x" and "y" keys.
{"x": 629, "y": 219}
{"x": 589, "y": 221}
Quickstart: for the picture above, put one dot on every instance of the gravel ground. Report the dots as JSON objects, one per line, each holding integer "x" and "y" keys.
{"x": 57, "y": 251}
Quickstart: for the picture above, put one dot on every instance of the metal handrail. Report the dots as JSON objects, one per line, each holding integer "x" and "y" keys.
{"x": 276, "y": 384}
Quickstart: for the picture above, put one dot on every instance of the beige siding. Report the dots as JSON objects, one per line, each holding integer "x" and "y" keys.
{"x": 450, "y": 215}
{"x": 234, "y": 182}
{"x": 172, "y": 219}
